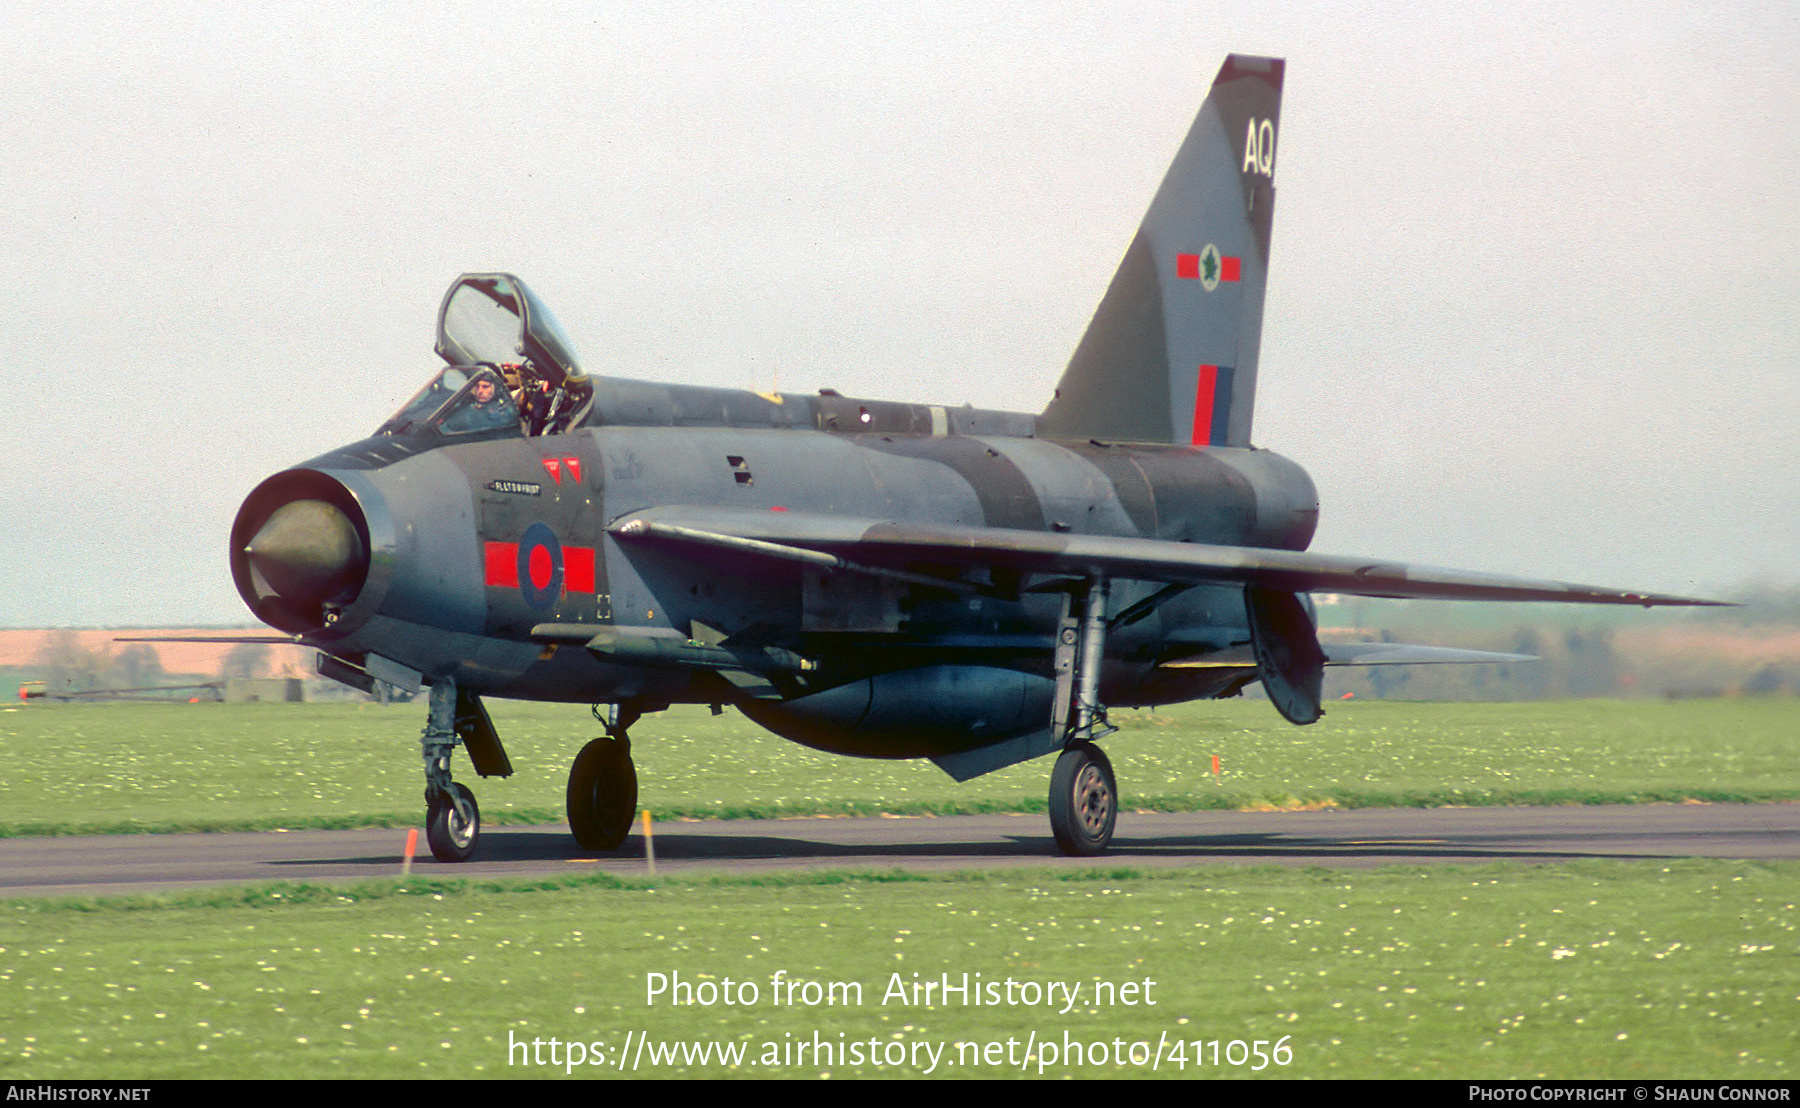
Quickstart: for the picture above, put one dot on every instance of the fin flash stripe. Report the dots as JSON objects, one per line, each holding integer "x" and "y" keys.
{"x": 1212, "y": 405}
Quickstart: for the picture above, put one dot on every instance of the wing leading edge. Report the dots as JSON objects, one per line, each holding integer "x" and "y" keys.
{"x": 924, "y": 553}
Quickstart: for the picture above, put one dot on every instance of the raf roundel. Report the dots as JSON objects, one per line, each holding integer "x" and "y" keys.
{"x": 540, "y": 567}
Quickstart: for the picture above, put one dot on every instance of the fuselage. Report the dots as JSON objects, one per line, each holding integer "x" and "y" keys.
{"x": 470, "y": 542}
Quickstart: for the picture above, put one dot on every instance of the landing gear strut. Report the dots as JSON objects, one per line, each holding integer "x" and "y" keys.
{"x": 452, "y": 821}
{"x": 1083, "y": 795}
{"x": 602, "y": 796}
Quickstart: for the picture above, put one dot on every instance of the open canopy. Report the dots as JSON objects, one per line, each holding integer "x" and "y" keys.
{"x": 494, "y": 319}
{"x": 512, "y": 368}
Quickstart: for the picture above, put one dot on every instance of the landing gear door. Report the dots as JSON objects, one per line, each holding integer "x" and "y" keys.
{"x": 493, "y": 318}
{"x": 1287, "y": 653}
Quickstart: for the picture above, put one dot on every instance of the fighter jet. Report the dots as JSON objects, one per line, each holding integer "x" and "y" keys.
{"x": 878, "y": 579}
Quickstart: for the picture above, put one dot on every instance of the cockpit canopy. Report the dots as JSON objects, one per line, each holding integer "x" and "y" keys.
{"x": 494, "y": 319}
{"x": 511, "y": 366}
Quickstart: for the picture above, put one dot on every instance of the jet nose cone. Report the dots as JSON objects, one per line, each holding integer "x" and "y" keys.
{"x": 309, "y": 552}
{"x": 304, "y": 551}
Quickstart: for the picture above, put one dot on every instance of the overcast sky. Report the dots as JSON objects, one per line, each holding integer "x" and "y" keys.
{"x": 1534, "y": 303}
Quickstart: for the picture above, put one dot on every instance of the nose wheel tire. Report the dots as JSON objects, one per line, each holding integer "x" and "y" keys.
{"x": 602, "y": 794}
{"x": 1083, "y": 801}
{"x": 452, "y": 834}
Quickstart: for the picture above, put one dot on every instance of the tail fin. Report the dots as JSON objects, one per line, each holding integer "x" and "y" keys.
{"x": 1171, "y": 353}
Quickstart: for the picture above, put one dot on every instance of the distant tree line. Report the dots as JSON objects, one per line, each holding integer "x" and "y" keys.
{"x": 64, "y": 664}
{"x": 1572, "y": 662}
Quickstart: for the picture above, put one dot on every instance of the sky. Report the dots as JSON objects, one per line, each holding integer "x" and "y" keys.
{"x": 1534, "y": 303}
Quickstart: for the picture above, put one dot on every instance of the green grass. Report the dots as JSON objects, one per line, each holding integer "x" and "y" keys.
{"x": 1618, "y": 970}
{"x": 156, "y": 767}
{"x": 1627, "y": 970}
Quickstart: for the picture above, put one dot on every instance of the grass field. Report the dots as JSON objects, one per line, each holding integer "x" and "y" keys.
{"x": 1627, "y": 970}
{"x": 1641, "y": 970}
{"x": 141, "y": 767}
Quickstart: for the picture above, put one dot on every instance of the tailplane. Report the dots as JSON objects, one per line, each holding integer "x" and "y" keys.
{"x": 1171, "y": 354}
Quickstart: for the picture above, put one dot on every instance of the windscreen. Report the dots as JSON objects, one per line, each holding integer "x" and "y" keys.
{"x": 457, "y": 401}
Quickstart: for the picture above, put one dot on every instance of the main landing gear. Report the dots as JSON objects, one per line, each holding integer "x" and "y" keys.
{"x": 602, "y": 797}
{"x": 1084, "y": 798}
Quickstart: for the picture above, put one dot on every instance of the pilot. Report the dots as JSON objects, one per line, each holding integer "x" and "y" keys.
{"x": 487, "y": 406}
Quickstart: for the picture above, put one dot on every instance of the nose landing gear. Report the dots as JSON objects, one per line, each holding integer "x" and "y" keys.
{"x": 452, "y": 820}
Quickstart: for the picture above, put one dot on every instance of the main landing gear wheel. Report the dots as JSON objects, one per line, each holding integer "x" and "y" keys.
{"x": 1084, "y": 800}
{"x": 602, "y": 794}
{"x": 451, "y": 832}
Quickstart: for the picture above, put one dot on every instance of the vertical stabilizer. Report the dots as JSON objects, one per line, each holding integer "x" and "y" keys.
{"x": 1171, "y": 353}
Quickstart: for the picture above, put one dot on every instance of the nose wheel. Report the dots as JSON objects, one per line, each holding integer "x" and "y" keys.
{"x": 453, "y": 826}
{"x": 1083, "y": 800}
